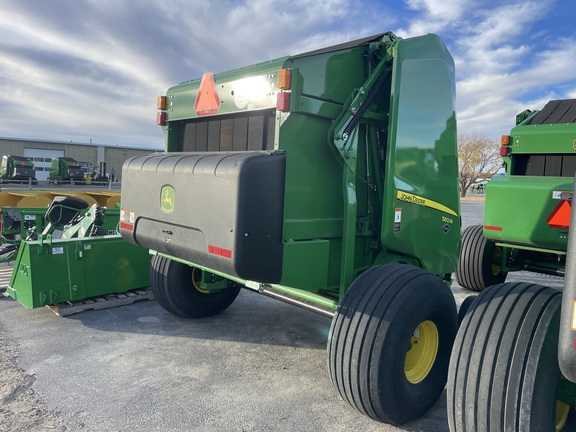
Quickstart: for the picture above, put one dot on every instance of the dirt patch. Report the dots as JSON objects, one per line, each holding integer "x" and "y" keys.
{"x": 20, "y": 409}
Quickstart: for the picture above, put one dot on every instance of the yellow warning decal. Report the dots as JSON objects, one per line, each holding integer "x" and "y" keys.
{"x": 425, "y": 202}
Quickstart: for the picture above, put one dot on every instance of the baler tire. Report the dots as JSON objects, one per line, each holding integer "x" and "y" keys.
{"x": 464, "y": 306}
{"x": 373, "y": 359}
{"x": 173, "y": 288}
{"x": 504, "y": 367}
{"x": 476, "y": 268}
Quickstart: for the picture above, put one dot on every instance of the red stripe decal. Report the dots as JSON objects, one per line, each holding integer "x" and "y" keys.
{"x": 226, "y": 253}
{"x": 492, "y": 228}
{"x": 126, "y": 226}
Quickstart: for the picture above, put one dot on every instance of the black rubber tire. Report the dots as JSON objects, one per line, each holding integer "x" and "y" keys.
{"x": 464, "y": 306}
{"x": 371, "y": 332}
{"x": 504, "y": 367}
{"x": 56, "y": 180}
{"x": 172, "y": 286}
{"x": 475, "y": 270}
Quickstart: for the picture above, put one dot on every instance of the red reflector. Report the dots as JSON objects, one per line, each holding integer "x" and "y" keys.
{"x": 207, "y": 100}
{"x": 492, "y": 228}
{"x": 126, "y": 226}
{"x": 560, "y": 216}
{"x": 283, "y": 102}
{"x": 160, "y": 118}
{"x": 504, "y": 151}
{"x": 226, "y": 253}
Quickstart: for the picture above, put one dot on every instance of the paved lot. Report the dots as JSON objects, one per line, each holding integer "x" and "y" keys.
{"x": 259, "y": 366}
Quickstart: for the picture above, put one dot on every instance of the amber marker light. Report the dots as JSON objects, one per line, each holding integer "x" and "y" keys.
{"x": 505, "y": 140}
{"x": 161, "y": 103}
{"x": 284, "y": 78}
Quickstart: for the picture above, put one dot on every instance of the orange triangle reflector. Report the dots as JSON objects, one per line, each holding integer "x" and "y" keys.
{"x": 560, "y": 216}
{"x": 207, "y": 100}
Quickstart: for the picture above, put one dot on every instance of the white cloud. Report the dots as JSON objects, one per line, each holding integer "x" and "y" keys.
{"x": 435, "y": 16}
{"x": 97, "y": 65}
{"x": 442, "y": 9}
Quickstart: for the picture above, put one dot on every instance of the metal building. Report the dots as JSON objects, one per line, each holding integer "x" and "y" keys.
{"x": 42, "y": 152}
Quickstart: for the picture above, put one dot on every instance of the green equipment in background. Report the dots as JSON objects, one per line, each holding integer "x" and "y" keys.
{"x": 513, "y": 364}
{"x": 527, "y": 210}
{"x": 73, "y": 258}
{"x": 17, "y": 169}
{"x": 65, "y": 170}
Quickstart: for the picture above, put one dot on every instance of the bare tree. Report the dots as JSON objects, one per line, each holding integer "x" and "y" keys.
{"x": 478, "y": 159}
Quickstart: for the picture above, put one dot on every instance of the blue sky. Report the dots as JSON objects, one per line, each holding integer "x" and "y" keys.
{"x": 81, "y": 70}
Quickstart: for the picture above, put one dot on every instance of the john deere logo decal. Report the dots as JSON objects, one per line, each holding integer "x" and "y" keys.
{"x": 167, "y": 199}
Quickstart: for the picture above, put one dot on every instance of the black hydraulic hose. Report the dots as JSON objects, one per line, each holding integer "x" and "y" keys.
{"x": 567, "y": 337}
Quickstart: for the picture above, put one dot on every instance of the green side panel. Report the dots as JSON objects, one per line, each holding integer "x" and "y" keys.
{"x": 75, "y": 269}
{"x": 543, "y": 139}
{"x": 313, "y": 200}
{"x": 421, "y": 203}
{"x": 311, "y": 257}
{"x": 518, "y": 207}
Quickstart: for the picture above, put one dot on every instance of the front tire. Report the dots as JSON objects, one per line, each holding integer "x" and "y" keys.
{"x": 504, "y": 369}
{"x": 175, "y": 290}
{"x": 479, "y": 264}
{"x": 390, "y": 342}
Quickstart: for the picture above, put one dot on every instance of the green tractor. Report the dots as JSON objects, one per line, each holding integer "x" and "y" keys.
{"x": 513, "y": 365}
{"x": 328, "y": 180}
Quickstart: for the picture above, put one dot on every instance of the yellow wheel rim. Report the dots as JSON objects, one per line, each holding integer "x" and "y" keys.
{"x": 422, "y": 352}
{"x": 196, "y": 283}
{"x": 496, "y": 259}
{"x": 562, "y": 411}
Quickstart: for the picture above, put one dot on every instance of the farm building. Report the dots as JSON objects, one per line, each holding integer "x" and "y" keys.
{"x": 42, "y": 152}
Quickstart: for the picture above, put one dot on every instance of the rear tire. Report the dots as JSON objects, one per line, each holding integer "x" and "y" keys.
{"x": 390, "y": 341}
{"x": 173, "y": 287}
{"x": 478, "y": 264}
{"x": 504, "y": 368}
{"x": 464, "y": 308}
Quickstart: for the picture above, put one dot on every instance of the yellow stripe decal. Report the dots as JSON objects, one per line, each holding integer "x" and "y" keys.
{"x": 425, "y": 202}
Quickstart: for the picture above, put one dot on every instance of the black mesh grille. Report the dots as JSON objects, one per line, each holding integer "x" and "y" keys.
{"x": 236, "y": 132}
{"x": 557, "y": 165}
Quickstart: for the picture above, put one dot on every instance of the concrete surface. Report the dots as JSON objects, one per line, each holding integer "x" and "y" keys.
{"x": 259, "y": 366}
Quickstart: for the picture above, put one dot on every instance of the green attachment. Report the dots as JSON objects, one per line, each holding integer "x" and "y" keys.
{"x": 55, "y": 271}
